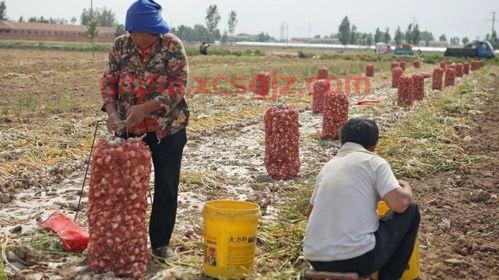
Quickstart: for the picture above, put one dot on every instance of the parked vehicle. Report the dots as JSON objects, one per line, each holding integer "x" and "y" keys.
{"x": 404, "y": 49}
{"x": 480, "y": 49}
{"x": 382, "y": 48}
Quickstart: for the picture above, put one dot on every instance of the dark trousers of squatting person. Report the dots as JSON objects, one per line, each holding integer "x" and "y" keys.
{"x": 395, "y": 240}
{"x": 167, "y": 159}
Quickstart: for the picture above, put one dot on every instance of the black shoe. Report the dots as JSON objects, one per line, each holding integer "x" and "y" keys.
{"x": 165, "y": 253}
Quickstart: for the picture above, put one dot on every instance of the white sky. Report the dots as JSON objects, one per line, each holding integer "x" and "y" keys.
{"x": 451, "y": 17}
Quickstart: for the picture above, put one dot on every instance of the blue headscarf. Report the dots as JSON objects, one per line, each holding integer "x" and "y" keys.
{"x": 144, "y": 16}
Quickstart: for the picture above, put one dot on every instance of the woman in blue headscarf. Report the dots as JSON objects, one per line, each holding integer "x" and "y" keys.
{"x": 143, "y": 91}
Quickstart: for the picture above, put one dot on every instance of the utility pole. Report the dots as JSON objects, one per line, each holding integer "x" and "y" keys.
{"x": 283, "y": 26}
{"x": 287, "y": 32}
{"x": 493, "y": 20}
{"x": 91, "y": 9}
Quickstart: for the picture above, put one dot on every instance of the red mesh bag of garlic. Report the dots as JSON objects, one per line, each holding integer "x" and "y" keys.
{"x": 405, "y": 93}
{"x": 402, "y": 64}
{"x": 418, "y": 80}
{"x": 117, "y": 206}
{"x": 319, "y": 89}
{"x": 425, "y": 75}
{"x": 466, "y": 68}
{"x": 450, "y": 77}
{"x": 443, "y": 65}
{"x": 262, "y": 84}
{"x": 437, "y": 80}
{"x": 282, "y": 140}
{"x": 417, "y": 64}
{"x": 393, "y": 65}
{"x": 477, "y": 64}
{"x": 459, "y": 70}
{"x": 335, "y": 114}
{"x": 322, "y": 73}
{"x": 369, "y": 70}
{"x": 396, "y": 74}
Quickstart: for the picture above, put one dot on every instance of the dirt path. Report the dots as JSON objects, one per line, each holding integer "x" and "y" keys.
{"x": 460, "y": 207}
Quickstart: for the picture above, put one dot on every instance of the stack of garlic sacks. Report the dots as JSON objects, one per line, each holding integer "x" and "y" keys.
{"x": 117, "y": 206}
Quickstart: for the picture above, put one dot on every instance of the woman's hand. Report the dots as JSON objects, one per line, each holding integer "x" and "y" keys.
{"x": 114, "y": 123}
{"x": 135, "y": 115}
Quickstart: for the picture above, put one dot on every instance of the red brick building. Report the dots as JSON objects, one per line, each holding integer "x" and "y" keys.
{"x": 10, "y": 30}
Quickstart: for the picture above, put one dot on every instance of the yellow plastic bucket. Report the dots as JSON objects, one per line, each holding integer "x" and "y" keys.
{"x": 230, "y": 229}
{"x": 413, "y": 271}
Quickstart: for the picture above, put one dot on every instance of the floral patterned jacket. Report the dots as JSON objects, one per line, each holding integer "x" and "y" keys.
{"x": 133, "y": 79}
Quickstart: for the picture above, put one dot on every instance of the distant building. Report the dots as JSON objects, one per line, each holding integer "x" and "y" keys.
{"x": 438, "y": 44}
{"x": 324, "y": 40}
{"x": 242, "y": 38}
{"x": 10, "y": 30}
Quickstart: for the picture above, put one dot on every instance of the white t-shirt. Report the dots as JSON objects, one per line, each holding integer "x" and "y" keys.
{"x": 345, "y": 197}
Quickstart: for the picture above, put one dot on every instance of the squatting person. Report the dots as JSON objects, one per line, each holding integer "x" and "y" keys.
{"x": 343, "y": 231}
{"x": 143, "y": 90}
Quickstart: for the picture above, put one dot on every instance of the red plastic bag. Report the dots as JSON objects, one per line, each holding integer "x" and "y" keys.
{"x": 367, "y": 101}
{"x": 73, "y": 237}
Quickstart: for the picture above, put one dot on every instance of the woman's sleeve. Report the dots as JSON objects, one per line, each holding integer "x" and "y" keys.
{"x": 110, "y": 78}
{"x": 177, "y": 76}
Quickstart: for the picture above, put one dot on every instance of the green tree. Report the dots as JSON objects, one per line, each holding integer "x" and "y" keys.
{"x": 48, "y": 20}
{"x": 369, "y": 39}
{"x": 465, "y": 40}
{"x": 354, "y": 35}
{"x": 185, "y": 33}
{"x": 387, "y": 38}
{"x": 378, "y": 36}
{"x": 263, "y": 37}
{"x": 212, "y": 18}
{"x": 58, "y": 21}
{"x": 344, "y": 31}
{"x": 21, "y": 19}
{"x": 398, "y": 36}
{"x": 74, "y": 20}
{"x": 454, "y": 40}
{"x": 408, "y": 34}
{"x": 225, "y": 37}
{"x": 442, "y": 38}
{"x": 103, "y": 16}
{"x": 232, "y": 22}
{"x": 416, "y": 35}
{"x": 92, "y": 33}
{"x": 38, "y": 20}
{"x": 3, "y": 11}
{"x": 494, "y": 41}
{"x": 427, "y": 37}
{"x": 120, "y": 30}
{"x": 201, "y": 34}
